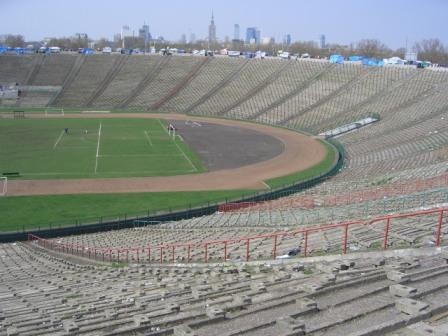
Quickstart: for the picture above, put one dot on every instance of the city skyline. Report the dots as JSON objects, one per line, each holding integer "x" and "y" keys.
{"x": 395, "y": 23}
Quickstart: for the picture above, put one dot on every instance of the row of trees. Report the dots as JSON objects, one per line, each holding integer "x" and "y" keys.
{"x": 432, "y": 50}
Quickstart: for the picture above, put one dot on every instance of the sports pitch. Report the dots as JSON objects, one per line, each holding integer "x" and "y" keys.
{"x": 93, "y": 148}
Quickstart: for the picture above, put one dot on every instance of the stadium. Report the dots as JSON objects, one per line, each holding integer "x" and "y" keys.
{"x": 331, "y": 221}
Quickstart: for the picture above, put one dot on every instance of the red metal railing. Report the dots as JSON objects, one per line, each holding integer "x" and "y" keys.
{"x": 226, "y": 207}
{"x": 170, "y": 251}
{"x": 342, "y": 198}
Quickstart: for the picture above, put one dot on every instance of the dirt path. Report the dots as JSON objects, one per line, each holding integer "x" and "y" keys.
{"x": 300, "y": 152}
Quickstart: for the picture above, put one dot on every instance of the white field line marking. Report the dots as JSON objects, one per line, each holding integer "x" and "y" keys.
{"x": 149, "y": 139}
{"x": 98, "y": 146}
{"x": 181, "y": 139}
{"x": 59, "y": 139}
{"x": 123, "y": 173}
{"x": 139, "y": 155}
{"x": 266, "y": 185}
{"x": 180, "y": 149}
{"x": 185, "y": 156}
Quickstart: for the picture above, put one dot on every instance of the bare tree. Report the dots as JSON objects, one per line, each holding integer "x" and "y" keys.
{"x": 15, "y": 41}
{"x": 103, "y": 42}
{"x": 373, "y": 48}
{"x": 432, "y": 50}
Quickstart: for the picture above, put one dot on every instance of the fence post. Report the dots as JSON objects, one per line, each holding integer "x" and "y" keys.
{"x": 161, "y": 254}
{"x": 386, "y": 233}
{"x": 225, "y": 251}
{"x": 305, "y": 244}
{"x": 188, "y": 253}
{"x": 172, "y": 260}
{"x": 274, "y": 250}
{"x": 345, "y": 239}
{"x": 206, "y": 253}
{"x": 247, "y": 249}
{"x": 439, "y": 228}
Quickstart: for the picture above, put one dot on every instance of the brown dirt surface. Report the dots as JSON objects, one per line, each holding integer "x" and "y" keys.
{"x": 299, "y": 153}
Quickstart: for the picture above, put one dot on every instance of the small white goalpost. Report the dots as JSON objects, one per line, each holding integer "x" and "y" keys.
{"x": 54, "y": 111}
{"x": 3, "y": 185}
{"x": 172, "y": 132}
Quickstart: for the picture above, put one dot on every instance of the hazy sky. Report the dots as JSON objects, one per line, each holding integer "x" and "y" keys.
{"x": 342, "y": 21}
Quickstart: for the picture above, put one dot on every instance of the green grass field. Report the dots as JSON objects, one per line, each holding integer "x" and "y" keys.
{"x": 40, "y": 149}
{"x": 29, "y": 212}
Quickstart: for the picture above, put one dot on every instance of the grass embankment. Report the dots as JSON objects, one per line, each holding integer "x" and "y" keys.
{"x": 28, "y": 212}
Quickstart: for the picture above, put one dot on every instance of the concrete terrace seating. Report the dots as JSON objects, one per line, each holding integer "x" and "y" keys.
{"x": 54, "y": 70}
{"x": 45, "y": 295}
{"x": 211, "y": 75}
{"x": 409, "y": 91}
{"x": 342, "y": 108}
{"x": 336, "y": 194}
{"x": 15, "y": 69}
{"x": 250, "y": 76}
{"x": 127, "y": 79}
{"x": 144, "y": 243}
{"x": 337, "y": 77}
{"x": 32, "y": 99}
{"x": 297, "y": 74}
{"x": 90, "y": 75}
{"x": 175, "y": 69}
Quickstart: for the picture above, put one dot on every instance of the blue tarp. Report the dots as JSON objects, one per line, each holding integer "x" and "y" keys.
{"x": 373, "y": 62}
{"x": 355, "y": 58}
{"x": 88, "y": 51}
{"x": 339, "y": 59}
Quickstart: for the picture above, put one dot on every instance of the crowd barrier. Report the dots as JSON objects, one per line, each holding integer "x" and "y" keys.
{"x": 182, "y": 252}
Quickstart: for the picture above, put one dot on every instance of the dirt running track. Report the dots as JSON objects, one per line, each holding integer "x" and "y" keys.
{"x": 300, "y": 152}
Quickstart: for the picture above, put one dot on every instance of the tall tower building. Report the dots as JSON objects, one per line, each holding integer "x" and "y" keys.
{"x": 322, "y": 43}
{"x": 125, "y": 32}
{"x": 212, "y": 30}
{"x": 236, "y": 31}
{"x": 144, "y": 33}
{"x": 253, "y": 35}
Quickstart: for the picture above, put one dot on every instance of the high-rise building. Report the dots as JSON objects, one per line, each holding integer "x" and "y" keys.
{"x": 322, "y": 43}
{"x": 144, "y": 33}
{"x": 267, "y": 40}
{"x": 183, "y": 39}
{"x": 192, "y": 38}
{"x": 253, "y": 35}
{"x": 236, "y": 31}
{"x": 212, "y": 30}
{"x": 288, "y": 39}
{"x": 125, "y": 32}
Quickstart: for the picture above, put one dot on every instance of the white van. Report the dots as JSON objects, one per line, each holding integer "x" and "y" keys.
{"x": 284, "y": 55}
{"x": 55, "y": 50}
{"x": 234, "y": 53}
{"x": 107, "y": 50}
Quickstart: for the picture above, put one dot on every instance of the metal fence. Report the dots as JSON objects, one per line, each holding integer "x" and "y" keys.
{"x": 182, "y": 252}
